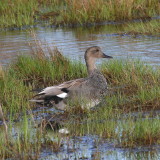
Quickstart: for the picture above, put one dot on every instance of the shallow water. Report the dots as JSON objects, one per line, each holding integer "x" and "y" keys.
{"x": 92, "y": 148}
{"x": 87, "y": 147}
{"x": 73, "y": 42}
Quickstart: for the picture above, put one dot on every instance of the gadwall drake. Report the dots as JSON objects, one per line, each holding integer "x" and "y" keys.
{"x": 88, "y": 91}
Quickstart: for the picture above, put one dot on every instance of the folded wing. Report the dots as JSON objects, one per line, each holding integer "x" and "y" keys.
{"x": 57, "y": 93}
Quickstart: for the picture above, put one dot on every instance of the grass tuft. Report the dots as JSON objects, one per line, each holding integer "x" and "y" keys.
{"x": 22, "y": 13}
{"x": 144, "y": 28}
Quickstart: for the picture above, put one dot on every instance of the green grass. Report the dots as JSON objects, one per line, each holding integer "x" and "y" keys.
{"x": 29, "y": 72}
{"x": 97, "y": 11}
{"x": 133, "y": 87}
{"x": 25, "y": 140}
{"x": 138, "y": 91}
{"x": 116, "y": 122}
{"x": 138, "y": 81}
{"x": 146, "y": 28}
{"x": 17, "y": 13}
{"x": 21, "y": 13}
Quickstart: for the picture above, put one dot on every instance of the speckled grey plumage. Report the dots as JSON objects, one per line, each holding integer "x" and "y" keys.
{"x": 87, "y": 90}
{"x": 94, "y": 86}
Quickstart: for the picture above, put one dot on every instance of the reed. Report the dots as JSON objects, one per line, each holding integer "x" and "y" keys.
{"x": 17, "y": 13}
{"x": 143, "y": 28}
{"x": 26, "y": 139}
{"x": 95, "y": 11}
{"x": 23, "y": 13}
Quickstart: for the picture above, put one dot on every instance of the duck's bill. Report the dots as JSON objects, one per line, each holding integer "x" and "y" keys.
{"x": 106, "y": 56}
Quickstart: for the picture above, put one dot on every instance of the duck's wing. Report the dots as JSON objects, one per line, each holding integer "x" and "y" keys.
{"x": 57, "y": 93}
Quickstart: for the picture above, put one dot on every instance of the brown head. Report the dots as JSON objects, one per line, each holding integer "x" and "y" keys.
{"x": 91, "y": 55}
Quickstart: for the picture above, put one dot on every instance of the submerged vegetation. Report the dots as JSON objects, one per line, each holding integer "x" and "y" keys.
{"x": 134, "y": 89}
{"x": 20, "y": 13}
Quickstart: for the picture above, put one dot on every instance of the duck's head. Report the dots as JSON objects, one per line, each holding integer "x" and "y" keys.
{"x": 94, "y": 53}
{"x": 91, "y": 55}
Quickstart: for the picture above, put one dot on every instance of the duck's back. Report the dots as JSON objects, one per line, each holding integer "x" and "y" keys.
{"x": 94, "y": 86}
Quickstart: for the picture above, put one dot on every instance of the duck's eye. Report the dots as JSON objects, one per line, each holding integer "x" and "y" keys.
{"x": 97, "y": 50}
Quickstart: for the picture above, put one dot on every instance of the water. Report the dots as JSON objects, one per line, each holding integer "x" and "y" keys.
{"x": 92, "y": 148}
{"x": 73, "y": 43}
{"x": 87, "y": 147}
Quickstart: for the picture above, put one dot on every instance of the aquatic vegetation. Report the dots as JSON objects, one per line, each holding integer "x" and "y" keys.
{"x": 21, "y": 13}
{"x": 134, "y": 88}
{"x": 96, "y": 11}
{"x": 17, "y": 13}
{"x": 26, "y": 140}
{"x": 118, "y": 122}
{"x": 18, "y": 145}
{"x": 135, "y": 79}
{"x": 141, "y": 132}
{"x": 35, "y": 72}
{"x": 148, "y": 28}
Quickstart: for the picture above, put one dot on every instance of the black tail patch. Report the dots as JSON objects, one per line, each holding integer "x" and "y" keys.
{"x": 65, "y": 90}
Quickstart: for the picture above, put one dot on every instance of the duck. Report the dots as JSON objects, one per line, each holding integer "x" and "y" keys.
{"x": 87, "y": 91}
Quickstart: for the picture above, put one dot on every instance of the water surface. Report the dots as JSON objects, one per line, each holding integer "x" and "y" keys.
{"x": 73, "y": 43}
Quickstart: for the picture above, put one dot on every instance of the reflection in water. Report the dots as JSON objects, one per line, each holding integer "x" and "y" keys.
{"x": 91, "y": 148}
{"x": 73, "y": 43}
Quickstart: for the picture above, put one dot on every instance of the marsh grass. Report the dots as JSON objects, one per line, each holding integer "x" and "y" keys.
{"x": 25, "y": 139}
{"x": 133, "y": 86}
{"x": 32, "y": 72}
{"x": 141, "y": 132}
{"x": 22, "y": 143}
{"x": 95, "y": 11}
{"x": 21, "y": 13}
{"x": 17, "y": 13}
{"x": 144, "y": 28}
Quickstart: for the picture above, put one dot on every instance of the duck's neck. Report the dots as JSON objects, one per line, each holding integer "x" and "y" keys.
{"x": 90, "y": 63}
